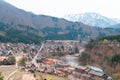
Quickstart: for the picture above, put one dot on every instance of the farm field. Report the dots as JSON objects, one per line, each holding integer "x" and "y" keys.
{"x": 14, "y": 74}
{"x": 7, "y": 70}
{"x": 49, "y": 77}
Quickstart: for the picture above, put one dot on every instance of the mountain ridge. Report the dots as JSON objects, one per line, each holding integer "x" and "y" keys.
{"x": 45, "y": 26}
{"x": 92, "y": 19}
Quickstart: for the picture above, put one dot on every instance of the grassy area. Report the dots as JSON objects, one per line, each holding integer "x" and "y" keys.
{"x": 19, "y": 74}
{"x": 116, "y": 76}
{"x": 49, "y": 77}
{"x": 7, "y": 70}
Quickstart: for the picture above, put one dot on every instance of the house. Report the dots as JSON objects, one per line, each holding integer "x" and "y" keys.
{"x": 87, "y": 73}
{"x": 80, "y": 72}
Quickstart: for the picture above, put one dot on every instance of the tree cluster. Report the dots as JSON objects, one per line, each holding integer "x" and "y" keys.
{"x": 9, "y": 61}
{"x": 84, "y": 57}
{"x": 115, "y": 59}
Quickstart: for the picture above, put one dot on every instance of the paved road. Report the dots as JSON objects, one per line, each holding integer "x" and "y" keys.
{"x": 36, "y": 56}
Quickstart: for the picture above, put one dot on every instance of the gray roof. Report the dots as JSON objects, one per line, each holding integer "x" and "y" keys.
{"x": 96, "y": 73}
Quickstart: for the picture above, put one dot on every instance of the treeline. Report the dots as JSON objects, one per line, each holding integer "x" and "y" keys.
{"x": 111, "y": 38}
{"x": 8, "y": 61}
{"x": 71, "y": 34}
{"x": 92, "y": 42}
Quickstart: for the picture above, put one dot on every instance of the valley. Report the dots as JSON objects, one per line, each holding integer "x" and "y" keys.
{"x": 53, "y": 58}
{"x": 28, "y": 27}
{"x": 83, "y": 46}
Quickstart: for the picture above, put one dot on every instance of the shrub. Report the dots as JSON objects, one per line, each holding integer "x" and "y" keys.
{"x": 9, "y": 61}
{"x": 84, "y": 57}
{"x": 115, "y": 59}
{"x": 1, "y": 77}
{"x": 22, "y": 62}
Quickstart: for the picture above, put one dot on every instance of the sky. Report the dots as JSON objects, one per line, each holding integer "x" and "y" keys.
{"x": 59, "y": 8}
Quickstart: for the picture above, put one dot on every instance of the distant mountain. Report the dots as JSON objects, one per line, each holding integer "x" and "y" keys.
{"x": 92, "y": 19}
{"x": 116, "y": 26}
{"x": 17, "y": 25}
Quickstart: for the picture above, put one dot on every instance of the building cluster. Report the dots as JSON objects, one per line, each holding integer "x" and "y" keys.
{"x": 15, "y": 49}
{"x": 64, "y": 46}
{"x": 88, "y": 73}
{"x": 54, "y": 66}
{"x": 59, "y": 68}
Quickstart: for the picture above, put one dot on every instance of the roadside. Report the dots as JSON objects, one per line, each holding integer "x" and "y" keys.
{"x": 11, "y": 74}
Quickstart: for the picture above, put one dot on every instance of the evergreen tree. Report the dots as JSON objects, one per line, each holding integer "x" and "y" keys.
{"x": 76, "y": 50}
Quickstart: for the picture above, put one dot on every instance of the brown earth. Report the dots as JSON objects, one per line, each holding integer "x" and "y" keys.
{"x": 101, "y": 54}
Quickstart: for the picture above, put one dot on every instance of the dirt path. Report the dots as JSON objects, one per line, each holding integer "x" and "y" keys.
{"x": 11, "y": 75}
{"x": 17, "y": 77}
{"x": 28, "y": 77}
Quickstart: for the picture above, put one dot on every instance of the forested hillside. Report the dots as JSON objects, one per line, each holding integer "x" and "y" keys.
{"x": 105, "y": 53}
{"x": 9, "y": 34}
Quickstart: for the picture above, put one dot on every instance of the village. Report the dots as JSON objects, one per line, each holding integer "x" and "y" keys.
{"x": 7, "y": 49}
{"x": 54, "y": 57}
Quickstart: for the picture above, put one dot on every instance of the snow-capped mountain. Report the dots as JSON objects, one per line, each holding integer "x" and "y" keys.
{"x": 92, "y": 19}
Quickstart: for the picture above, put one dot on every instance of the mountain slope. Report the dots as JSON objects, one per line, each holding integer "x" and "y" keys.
{"x": 92, "y": 19}
{"x": 44, "y": 26}
{"x": 10, "y": 14}
{"x": 117, "y": 26}
{"x": 107, "y": 50}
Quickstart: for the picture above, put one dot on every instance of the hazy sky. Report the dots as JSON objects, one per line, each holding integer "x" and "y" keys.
{"x": 58, "y": 8}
